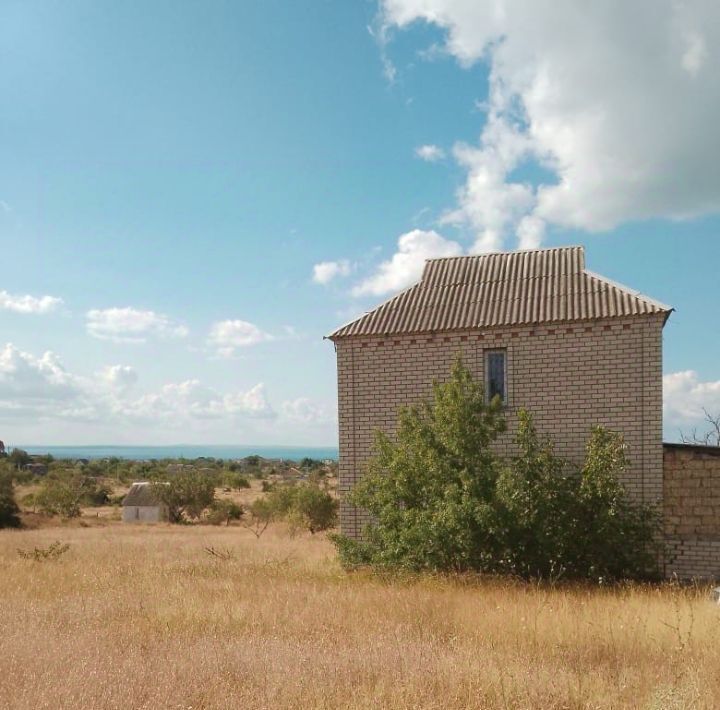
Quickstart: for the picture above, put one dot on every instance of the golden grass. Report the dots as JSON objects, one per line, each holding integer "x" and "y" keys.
{"x": 143, "y": 617}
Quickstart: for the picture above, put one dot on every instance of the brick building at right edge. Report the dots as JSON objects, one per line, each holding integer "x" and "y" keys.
{"x": 546, "y": 334}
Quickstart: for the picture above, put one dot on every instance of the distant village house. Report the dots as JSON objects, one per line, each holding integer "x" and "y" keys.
{"x": 141, "y": 505}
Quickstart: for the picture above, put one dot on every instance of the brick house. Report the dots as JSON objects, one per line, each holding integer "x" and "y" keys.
{"x": 573, "y": 347}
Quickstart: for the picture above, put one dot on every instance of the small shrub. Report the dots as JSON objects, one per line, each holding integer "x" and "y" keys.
{"x": 304, "y": 506}
{"x": 234, "y": 480}
{"x": 262, "y": 514}
{"x": 39, "y": 554}
{"x": 223, "y": 511}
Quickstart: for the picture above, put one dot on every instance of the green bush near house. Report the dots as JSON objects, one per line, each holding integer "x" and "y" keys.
{"x": 304, "y": 506}
{"x": 442, "y": 500}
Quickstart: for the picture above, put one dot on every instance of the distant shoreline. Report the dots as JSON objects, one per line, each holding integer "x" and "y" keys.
{"x": 188, "y": 451}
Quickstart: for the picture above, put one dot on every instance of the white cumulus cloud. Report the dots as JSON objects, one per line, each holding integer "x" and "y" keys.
{"x": 28, "y": 304}
{"x": 227, "y": 336}
{"x": 34, "y": 388}
{"x": 407, "y": 264}
{"x": 119, "y": 377}
{"x": 685, "y": 397}
{"x": 430, "y": 153}
{"x": 130, "y": 325}
{"x": 193, "y": 400}
{"x": 326, "y": 271}
{"x": 618, "y": 102}
{"x": 25, "y": 378}
{"x": 306, "y": 411}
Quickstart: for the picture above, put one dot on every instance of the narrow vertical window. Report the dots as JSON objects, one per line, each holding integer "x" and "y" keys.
{"x": 495, "y": 374}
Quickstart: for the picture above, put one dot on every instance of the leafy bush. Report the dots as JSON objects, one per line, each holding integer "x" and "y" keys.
{"x": 555, "y": 522}
{"x": 442, "y": 500}
{"x": 262, "y": 514}
{"x": 223, "y": 511}
{"x": 9, "y": 511}
{"x": 186, "y": 494}
{"x": 19, "y": 458}
{"x": 64, "y": 492}
{"x": 59, "y": 497}
{"x": 233, "y": 479}
{"x": 306, "y": 506}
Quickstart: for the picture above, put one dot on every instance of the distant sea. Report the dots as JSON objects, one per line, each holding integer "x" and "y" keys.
{"x": 293, "y": 453}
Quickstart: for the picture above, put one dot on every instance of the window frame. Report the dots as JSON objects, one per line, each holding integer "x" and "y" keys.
{"x": 486, "y": 362}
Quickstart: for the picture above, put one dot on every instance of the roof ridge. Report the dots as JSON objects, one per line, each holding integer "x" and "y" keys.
{"x": 505, "y": 253}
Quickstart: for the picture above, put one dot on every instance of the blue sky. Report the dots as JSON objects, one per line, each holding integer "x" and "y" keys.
{"x": 174, "y": 173}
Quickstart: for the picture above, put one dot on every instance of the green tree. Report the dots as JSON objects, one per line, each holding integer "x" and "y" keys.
{"x": 262, "y": 514}
{"x": 305, "y": 505}
{"x": 19, "y": 458}
{"x": 60, "y": 496}
{"x": 431, "y": 489}
{"x": 223, "y": 511}
{"x": 186, "y": 494}
{"x": 9, "y": 510}
{"x": 233, "y": 479}
{"x": 313, "y": 508}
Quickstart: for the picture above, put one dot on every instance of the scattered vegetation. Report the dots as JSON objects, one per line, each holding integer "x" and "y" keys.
{"x": 63, "y": 493}
{"x": 54, "y": 551}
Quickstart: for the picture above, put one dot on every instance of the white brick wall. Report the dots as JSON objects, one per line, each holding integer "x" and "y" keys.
{"x": 571, "y": 376}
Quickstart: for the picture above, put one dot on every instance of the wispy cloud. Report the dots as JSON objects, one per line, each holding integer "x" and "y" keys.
{"x": 430, "y": 153}
{"x": 228, "y": 336}
{"x": 28, "y": 304}
{"x": 130, "y": 325}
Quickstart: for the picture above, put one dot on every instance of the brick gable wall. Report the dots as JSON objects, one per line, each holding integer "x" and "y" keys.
{"x": 571, "y": 376}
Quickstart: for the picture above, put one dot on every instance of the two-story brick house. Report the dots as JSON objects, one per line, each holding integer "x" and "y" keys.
{"x": 539, "y": 329}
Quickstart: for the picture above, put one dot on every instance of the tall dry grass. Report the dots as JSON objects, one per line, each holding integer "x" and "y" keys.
{"x": 137, "y": 617}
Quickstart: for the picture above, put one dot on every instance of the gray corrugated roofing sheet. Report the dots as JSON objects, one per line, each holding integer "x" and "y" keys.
{"x": 141, "y": 494}
{"x": 513, "y": 288}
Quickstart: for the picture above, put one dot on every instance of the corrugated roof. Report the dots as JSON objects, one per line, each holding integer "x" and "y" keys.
{"x": 141, "y": 494}
{"x": 512, "y": 288}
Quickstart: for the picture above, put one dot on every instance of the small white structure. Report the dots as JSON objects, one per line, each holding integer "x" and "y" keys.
{"x": 141, "y": 505}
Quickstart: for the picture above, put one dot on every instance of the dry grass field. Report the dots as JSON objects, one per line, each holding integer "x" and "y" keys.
{"x": 144, "y": 617}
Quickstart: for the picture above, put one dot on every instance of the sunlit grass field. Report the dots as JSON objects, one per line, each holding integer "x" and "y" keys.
{"x": 146, "y": 617}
